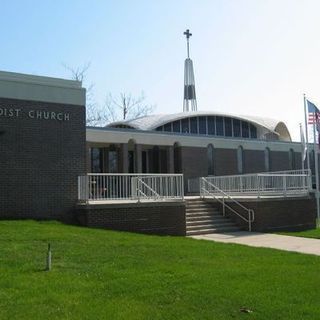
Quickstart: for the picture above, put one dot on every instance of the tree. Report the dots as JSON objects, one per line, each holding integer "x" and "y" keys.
{"x": 94, "y": 116}
{"x": 126, "y": 106}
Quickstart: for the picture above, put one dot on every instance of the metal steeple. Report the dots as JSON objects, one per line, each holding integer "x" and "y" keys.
{"x": 189, "y": 99}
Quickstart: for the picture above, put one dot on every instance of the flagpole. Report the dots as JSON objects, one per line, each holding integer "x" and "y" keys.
{"x": 306, "y": 128}
{"x": 302, "y": 148}
{"x": 316, "y": 167}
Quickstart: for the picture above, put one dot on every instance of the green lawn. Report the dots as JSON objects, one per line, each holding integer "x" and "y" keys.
{"x": 100, "y": 274}
{"x": 314, "y": 233}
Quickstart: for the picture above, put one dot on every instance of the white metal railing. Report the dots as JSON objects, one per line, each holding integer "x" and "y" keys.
{"x": 281, "y": 183}
{"x": 117, "y": 186}
{"x": 209, "y": 189}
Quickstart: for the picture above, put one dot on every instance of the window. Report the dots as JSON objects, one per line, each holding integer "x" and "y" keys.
{"x": 292, "y": 162}
{"x": 194, "y": 125}
{"x": 96, "y": 160}
{"x": 219, "y": 124}
{"x": 176, "y": 126}
{"x": 185, "y": 125}
{"x": 167, "y": 127}
{"x": 144, "y": 158}
{"x": 236, "y": 128}
{"x": 267, "y": 159}
{"x": 228, "y": 127}
{"x": 131, "y": 161}
{"x": 245, "y": 129}
{"x": 240, "y": 159}
{"x": 113, "y": 161}
{"x": 202, "y": 125}
{"x": 177, "y": 158}
{"x": 211, "y": 125}
{"x": 253, "y": 131}
{"x": 210, "y": 157}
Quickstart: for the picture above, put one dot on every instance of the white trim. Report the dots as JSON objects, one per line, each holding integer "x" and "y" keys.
{"x": 99, "y": 135}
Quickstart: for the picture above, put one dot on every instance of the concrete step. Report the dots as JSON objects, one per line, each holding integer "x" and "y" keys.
{"x": 194, "y": 222}
{"x": 212, "y": 217}
{"x": 201, "y": 208}
{"x": 211, "y": 225}
{"x": 202, "y": 212}
{"x": 213, "y": 230}
{"x": 198, "y": 204}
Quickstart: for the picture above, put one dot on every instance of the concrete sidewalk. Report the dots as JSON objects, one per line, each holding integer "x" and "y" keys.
{"x": 266, "y": 240}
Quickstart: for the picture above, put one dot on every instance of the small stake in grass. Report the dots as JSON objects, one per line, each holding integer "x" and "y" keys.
{"x": 49, "y": 258}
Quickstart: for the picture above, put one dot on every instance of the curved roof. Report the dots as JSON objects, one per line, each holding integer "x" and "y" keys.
{"x": 151, "y": 122}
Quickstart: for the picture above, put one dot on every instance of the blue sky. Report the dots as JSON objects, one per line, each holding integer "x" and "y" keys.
{"x": 253, "y": 57}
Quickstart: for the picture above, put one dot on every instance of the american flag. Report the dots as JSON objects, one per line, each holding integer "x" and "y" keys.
{"x": 313, "y": 114}
{"x": 314, "y": 117}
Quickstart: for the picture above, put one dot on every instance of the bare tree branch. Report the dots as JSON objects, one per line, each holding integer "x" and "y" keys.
{"x": 123, "y": 107}
{"x": 127, "y": 106}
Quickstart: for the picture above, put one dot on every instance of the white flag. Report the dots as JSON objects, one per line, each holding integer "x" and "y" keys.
{"x": 303, "y": 144}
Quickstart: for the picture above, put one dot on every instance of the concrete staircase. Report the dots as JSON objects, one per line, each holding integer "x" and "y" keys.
{"x": 203, "y": 218}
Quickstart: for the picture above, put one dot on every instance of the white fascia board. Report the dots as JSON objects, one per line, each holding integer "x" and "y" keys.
{"x": 42, "y": 89}
{"x": 162, "y": 139}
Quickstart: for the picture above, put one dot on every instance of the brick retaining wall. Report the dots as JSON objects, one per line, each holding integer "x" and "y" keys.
{"x": 283, "y": 214}
{"x": 162, "y": 218}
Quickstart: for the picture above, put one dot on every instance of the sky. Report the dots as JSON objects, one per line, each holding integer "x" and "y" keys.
{"x": 251, "y": 57}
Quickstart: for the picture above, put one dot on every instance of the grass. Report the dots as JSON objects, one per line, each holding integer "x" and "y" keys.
{"x": 313, "y": 233}
{"x": 100, "y": 274}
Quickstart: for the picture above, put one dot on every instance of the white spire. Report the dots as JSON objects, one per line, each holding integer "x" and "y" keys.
{"x": 189, "y": 96}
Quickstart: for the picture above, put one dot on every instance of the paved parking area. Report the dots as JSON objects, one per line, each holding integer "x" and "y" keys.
{"x": 266, "y": 240}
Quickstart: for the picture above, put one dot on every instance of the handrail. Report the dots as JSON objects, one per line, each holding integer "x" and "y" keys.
{"x": 250, "y": 219}
{"x": 109, "y": 186}
{"x": 148, "y": 187}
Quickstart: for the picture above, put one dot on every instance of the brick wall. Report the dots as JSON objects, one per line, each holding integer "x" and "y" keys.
{"x": 283, "y": 214}
{"x": 166, "y": 218}
{"x": 40, "y": 160}
{"x": 254, "y": 161}
{"x": 279, "y": 161}
{"x": 194, "y": 162}
{"x": 225, "y": 161}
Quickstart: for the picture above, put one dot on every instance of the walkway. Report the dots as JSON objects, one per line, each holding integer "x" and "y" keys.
{"x": 266, "y": 240}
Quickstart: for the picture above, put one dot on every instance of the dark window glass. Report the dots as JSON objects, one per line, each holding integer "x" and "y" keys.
{"x": 292, "y": 162}
{"x": 228, "y": 127}
{"x": 113, "y": 161}
{"x": 194, "y": 125}
{"x": 185, "y": 125}
{"x": 177, "y": 158}
{"x": 167, "y": 127}
{"x": 96, "y": 160}
{"x": 202, "y": 125}
{"x": 159, "y": 128}
{"x": 144, "y": 161}
{"x": 131, "y": 161}
{"x": 211, "y": 125}
{"x": 176, "y": 126}
{"x": 219, "y": 124}
{"x": 245, "y": 129}
{"x": 253, "y": 131}
{"x": 236, "y": 128}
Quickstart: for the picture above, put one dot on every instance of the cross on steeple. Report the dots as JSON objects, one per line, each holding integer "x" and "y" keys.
{"x": 188, "y": 35}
